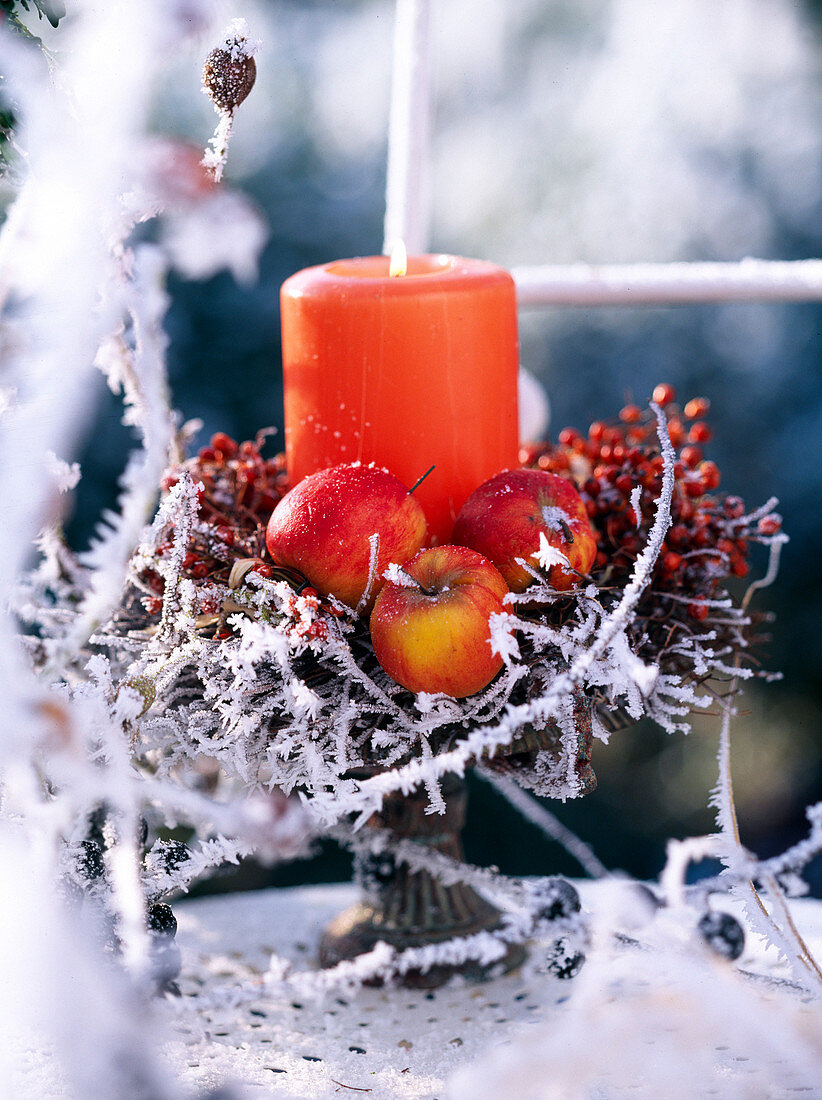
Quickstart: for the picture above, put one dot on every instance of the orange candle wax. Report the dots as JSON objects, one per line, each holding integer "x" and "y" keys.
{"x": 408, "y": 371}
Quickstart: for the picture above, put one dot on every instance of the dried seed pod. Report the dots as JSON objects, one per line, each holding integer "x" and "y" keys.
{"x": 228, "y": 76}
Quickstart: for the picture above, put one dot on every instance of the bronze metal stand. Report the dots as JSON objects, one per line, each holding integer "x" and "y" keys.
{"x": 406, "y": 908}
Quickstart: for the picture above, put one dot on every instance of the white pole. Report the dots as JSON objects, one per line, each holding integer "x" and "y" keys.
{"x": 407, "y": 208}
{"x": 669, "y": 284}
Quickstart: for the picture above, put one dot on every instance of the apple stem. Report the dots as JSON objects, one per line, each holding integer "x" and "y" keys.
{"x": 566, "y": 530}
{"x": 420, "y": 480}
{"x": 425, "y": 591}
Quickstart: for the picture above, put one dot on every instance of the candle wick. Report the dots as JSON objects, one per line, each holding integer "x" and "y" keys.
{"x": 398, "y": 264}
{"x": 420, "y": 480}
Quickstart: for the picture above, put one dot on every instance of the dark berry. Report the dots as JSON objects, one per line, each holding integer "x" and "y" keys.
{"x": 170, "y": 854}
{"x": 563, "y": 961}
{"x": 96, "y": 824}
{"x": 723, "y": 934}
{"x": 90, "y": 860}
{"x": 228, "y": 78}
{"x": 376, "y": 871}
{"x": 161, "y": 919}
{"x": 697, "y": 407}
{"x": 557, "y": 899}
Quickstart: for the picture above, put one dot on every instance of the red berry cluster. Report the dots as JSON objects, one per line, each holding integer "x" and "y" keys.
{"x": 238, "y": 490}
{"x": 240, "y": 487}
{"x": 302, "y": 610}
{"x": 619, "y": 463}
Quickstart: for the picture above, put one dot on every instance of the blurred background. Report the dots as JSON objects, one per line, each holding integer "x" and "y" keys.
{"x": 593, "y": 130}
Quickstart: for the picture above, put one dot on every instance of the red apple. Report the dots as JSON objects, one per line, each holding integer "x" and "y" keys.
{"x": 322, "y": 527}
{"x": 504, "y": 518}
{"x": 429, "y": 627}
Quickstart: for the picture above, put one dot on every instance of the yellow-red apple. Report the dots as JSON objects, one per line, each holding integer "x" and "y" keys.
{"x": 323, "y": 525}
{"x": 430, "y": 624}
{"x": 504, "y": 518}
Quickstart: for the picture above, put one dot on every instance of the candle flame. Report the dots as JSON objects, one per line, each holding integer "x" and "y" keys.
{"x": 398, "y": 264}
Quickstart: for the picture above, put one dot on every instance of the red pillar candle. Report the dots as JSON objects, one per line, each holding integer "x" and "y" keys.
{"x": 408, "y": 371}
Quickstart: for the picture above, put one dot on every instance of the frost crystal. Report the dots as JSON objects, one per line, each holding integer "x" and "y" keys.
{"x": 397, "y": 575}
{"x": 548, "y": 556}
{"x": 503, "y": 638}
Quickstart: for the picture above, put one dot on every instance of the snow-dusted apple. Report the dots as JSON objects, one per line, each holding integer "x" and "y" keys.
{"x": 533, "y": 515}
{"x": 323, "y": 528}
{"x": 430, "y": 624}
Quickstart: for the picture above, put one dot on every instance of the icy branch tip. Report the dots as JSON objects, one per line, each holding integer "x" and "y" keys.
{"x": 229, "y": 73}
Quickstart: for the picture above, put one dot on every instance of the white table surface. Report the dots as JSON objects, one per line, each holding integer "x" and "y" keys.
{"x": 231, "y": 1026}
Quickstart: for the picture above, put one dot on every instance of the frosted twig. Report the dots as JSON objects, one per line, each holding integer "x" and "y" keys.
{"x": 373, "y": 555}
{"x": 732, "y": 853}
{"x": 547, "y": 823}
